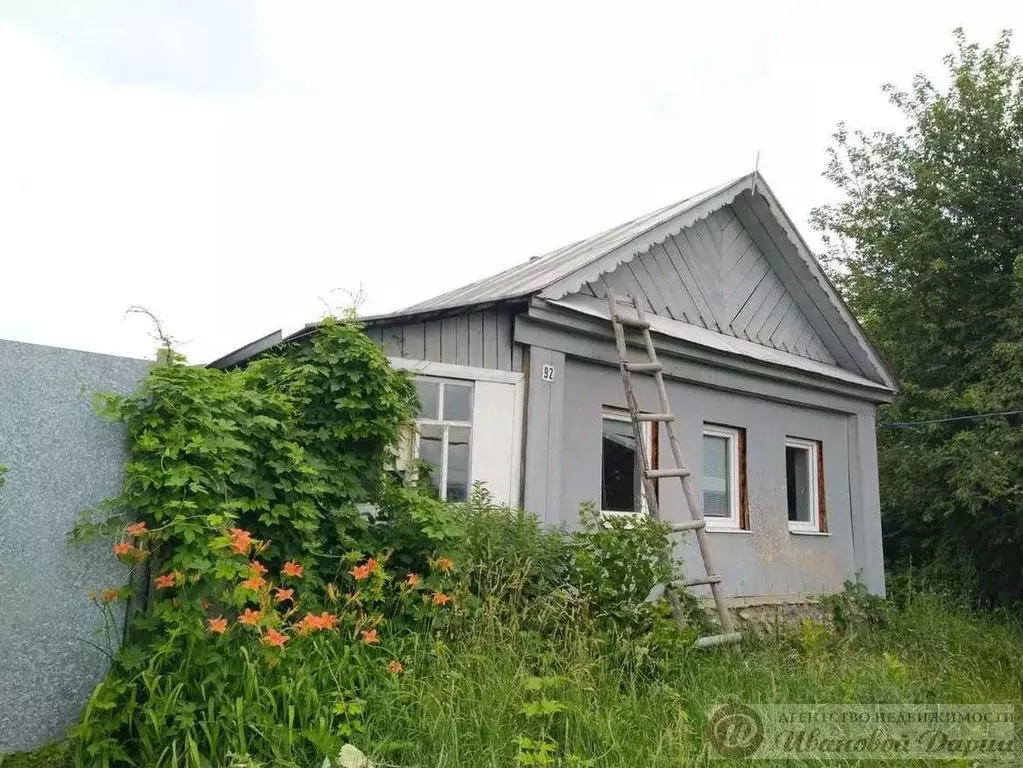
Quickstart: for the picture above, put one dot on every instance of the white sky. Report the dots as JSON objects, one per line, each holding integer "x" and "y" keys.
{"x": 227, "y": 163}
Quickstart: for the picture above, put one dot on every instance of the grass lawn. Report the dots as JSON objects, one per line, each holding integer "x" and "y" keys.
{"x": 461, "y": 703}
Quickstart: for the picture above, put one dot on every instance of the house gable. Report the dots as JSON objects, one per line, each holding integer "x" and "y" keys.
{"x": 713, "y": 274}
{"x": 725, "y": 269}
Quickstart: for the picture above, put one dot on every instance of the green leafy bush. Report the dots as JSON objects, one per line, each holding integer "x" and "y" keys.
{"x": 280, "y": 573}
{"x": 251, "y": 555}
{"x": 604, "y": 571}
{"x": 855, "y": 608}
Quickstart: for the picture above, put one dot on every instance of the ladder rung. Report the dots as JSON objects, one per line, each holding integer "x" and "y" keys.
{"x": 627, "y": 301}
{"x": 654, "y": 474}
{"x": 700, "y": 581}
{"x": 644, "y": 367}
{"x": 691, "y": 525}
{"x": 655, "y": 417}
{"x": 631, "y": 322}
{"x": 714, "y": 640}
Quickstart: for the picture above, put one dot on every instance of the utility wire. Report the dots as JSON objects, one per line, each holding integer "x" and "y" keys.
{"x": 899, "y": 424}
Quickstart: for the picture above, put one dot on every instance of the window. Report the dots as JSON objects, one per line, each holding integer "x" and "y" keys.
{"x": 444, "y": 431}
{"x": 621, "y": 476}
{"x": 804, "y": 482}
{"x": 724, "y": 473}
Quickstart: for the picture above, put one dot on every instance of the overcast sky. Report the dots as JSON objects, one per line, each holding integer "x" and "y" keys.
{"x": 232, "y": 165}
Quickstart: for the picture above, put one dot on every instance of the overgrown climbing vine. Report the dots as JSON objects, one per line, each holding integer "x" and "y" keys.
{"x": 257, "y": 516}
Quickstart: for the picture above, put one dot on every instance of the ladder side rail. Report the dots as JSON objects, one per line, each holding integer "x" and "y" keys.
{"x": 630, "y": 399}
{"x": 695, "y": 511}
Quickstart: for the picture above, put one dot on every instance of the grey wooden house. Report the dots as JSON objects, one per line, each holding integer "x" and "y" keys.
{"x": 773, "y": 382}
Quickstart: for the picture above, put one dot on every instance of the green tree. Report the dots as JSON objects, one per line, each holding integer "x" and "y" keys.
{"x": 927, "y": 248}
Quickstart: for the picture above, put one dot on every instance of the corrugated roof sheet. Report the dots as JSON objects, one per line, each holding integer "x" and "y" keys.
{"x": 539, "y": 272}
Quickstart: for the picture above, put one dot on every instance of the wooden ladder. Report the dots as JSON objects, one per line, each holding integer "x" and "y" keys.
{"x": 651, "y": 474}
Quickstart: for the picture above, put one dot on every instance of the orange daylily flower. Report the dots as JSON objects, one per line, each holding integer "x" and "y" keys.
{"x": 250, "y": 617}
{"x": 241, "y": 541}
{"x": 439, "y": 598}
{"x": 372, "y": 564}
{"x": 395, "y": 667}
{"x": 256, "y": 583}
{"x": 166, "y": 581}
{"x": 274, "y": 638}
{"x": 281, "y": 594}
{"x": 326, "y": 620}
{"x": 109, "y": 595}
{"x": 218, "y": 626}
{"x": 123, "y": 548}
{"x": 369, "y": 637}
{"x": 135, "y": 529}
{"x": 291, "y": 568}
{"x": 413, "y": 580}
{"x": 444, "y": 564}
{"x": 312, "y": 622}
{"x": 257, "y": 567}
{"x": 361, "y": 572}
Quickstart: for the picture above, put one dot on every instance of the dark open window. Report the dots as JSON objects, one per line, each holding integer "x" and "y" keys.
{"x": 621, "y": 476}
{"x": 804, "y": 485}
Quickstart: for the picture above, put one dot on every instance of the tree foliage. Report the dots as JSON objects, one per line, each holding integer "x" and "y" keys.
{"x": 927, "y": 248}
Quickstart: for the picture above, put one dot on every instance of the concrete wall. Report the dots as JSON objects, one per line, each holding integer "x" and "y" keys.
{"x": 62, "y": 458}
{"x": 768, "y": 559}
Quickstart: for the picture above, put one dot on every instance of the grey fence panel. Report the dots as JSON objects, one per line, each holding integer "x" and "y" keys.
{"x": 62, "y": 458}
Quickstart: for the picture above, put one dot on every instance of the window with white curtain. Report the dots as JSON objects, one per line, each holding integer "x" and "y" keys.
{"x": 721, "y": 477}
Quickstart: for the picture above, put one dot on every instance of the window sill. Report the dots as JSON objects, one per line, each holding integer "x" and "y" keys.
{"x": 723, "y": 529}
{"x": 798, "y": 532}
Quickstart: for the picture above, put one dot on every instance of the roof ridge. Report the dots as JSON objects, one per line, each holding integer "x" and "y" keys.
{"x": 537, "y": 265}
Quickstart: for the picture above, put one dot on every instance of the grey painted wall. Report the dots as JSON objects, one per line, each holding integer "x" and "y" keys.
{"x": 544, "y": 444}
{"x": 62, "y": 459}
{"x": 479, "y": 339}
{"x": 767, "y": 560}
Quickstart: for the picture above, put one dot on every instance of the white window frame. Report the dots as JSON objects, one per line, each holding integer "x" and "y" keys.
{"x": 613, "y": 414}
{"x": 446, "y": 425}
{"x": 504, "y": 477}
{"x": 813, "y": 449}
{"x": 733, "y": 522}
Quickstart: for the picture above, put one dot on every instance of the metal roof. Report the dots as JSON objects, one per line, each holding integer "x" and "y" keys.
{"x": 539, "y": 272}
{"x": 562, "y": 272}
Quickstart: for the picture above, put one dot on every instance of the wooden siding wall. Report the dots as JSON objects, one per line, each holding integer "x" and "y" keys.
{"x": 712, "y": 274}
{"x": 478, "y": 339}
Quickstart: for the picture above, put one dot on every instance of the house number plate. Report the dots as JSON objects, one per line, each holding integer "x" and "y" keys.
{"x": 547, "y": 372}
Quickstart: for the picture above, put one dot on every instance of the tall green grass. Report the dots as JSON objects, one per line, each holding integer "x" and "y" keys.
{"x": 552, "y": 657}
{"x": 461, "y": 704}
